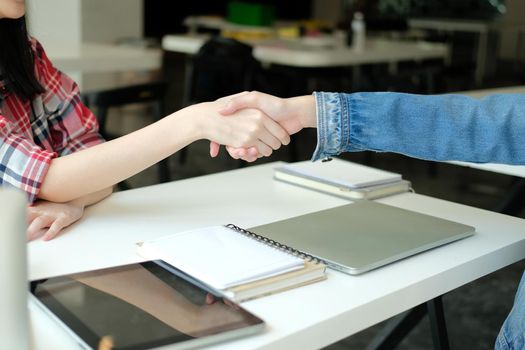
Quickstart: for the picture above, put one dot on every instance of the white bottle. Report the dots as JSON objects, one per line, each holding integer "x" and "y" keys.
{"x": 14, "y": 329}
{"x": 358, "y": 32}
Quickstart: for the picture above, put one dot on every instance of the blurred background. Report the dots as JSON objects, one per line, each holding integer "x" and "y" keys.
{"x": 137, "y": 60}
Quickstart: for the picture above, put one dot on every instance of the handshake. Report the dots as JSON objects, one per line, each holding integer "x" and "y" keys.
{"x": 262, "y": 123}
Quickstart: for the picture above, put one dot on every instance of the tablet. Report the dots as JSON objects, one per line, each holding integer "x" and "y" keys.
{"x": 141, "y": 306}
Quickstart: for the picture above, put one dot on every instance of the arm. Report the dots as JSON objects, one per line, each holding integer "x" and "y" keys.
{"x": 56, "y": 123}
{"x": 439, "y": 127}
{"x": 83, "y": 169}
{"x": 103, "y": 165}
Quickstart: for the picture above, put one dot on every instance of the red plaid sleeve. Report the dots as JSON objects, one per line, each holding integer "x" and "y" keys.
{"x": 73, "y": 126}
{"x": 24, "y": 165}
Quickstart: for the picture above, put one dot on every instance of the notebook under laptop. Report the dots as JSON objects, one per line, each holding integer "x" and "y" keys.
{"x": 364, "y": 235}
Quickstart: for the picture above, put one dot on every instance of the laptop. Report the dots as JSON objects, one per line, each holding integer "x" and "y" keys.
{"x": 362, "y": 236}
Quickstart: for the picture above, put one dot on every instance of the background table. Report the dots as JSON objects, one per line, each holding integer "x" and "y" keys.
{"x": 298, "y": 53}
{"x": 308, "y": 317}
{"x": 104, "y": 58}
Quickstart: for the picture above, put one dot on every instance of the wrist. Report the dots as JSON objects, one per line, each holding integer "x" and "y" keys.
{"x": 79, "y": 203}
{"x": 185, "y": 125}
{"x": 306, "y": 110}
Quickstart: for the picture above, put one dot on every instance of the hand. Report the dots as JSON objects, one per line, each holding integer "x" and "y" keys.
{"x": 242, "y": 129}
{"x": 293, "y": 114}
{"x": 49, "y": 218}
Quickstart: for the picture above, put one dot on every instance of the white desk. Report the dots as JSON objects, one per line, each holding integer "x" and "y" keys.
{"x": 308, "y": 317}
{"x": 299, "y": 54}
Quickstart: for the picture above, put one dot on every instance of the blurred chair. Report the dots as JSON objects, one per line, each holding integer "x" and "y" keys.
{"x": 152, "y": 94}
{"x": 220, "y": 68}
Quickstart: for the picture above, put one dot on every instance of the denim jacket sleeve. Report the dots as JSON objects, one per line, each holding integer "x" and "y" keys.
{"x": 432, "y": 127}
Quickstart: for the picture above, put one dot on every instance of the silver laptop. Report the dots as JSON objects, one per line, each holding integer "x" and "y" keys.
{"x": 364, "y": 235}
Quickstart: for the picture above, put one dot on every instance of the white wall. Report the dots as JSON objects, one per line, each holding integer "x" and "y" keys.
{"x": 55, "y": 23}
{"x": 107, "y": 21}
{"x": 67, "y": 23}
{"x": 63, "y": 25}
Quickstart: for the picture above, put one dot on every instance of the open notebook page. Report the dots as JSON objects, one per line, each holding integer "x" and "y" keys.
{"x": 220, "y": 256}
{"x": 337, "y": 172}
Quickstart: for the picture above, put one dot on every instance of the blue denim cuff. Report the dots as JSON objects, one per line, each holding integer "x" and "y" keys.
{"x": 333, "y": 124}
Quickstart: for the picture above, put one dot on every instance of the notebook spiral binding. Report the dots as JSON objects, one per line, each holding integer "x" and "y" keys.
{"x": 276, "y": 244}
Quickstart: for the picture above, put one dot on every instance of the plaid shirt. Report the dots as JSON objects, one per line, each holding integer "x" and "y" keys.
{"x": 32, "y": 133}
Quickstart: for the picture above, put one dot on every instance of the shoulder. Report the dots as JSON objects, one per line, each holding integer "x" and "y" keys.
{"x": 37, "y": 48}
{"x": 39, "y": 55}
{"x": 44, "y": 68}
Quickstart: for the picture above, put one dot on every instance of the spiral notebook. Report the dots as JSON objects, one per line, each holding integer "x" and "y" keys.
{"x": 234, "y": 261}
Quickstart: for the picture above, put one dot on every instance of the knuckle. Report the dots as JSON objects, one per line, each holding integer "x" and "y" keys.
{"x": 252, "y": 95}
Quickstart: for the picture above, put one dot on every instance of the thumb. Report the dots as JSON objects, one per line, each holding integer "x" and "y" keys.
{"x": 214, "y": 149}
{"x": 240, "y": 101}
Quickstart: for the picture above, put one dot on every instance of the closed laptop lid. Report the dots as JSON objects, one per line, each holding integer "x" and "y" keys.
{"x": 364, "y": 235}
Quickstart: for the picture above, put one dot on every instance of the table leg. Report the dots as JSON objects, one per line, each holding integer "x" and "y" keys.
{"x": 481, "y": 57}
{"x": 186, "y": 96}
{"x": 514, "y": 201}
{"x": 399, "y": 327}
{"x": 438, "y": 325}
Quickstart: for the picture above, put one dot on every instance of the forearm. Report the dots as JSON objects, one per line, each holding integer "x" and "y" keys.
{"x": 439, "y": 127}
{"x": 99, "y": 167}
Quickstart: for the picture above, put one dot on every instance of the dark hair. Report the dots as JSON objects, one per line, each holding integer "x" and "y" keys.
{"x": 16, "y": 58}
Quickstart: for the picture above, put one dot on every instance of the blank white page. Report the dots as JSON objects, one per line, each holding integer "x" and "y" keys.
{"x": 340, "y": 172}
{"x": 220, "y": 256}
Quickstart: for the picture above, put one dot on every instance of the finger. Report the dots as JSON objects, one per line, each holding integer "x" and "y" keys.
{"x": 251, "y": 155}
{"x": 54, "y": 229}
{"x": 263, "y": 148}
{"x": 37, "y": 225}
{"x": 214, "y": 149}
{"x": 250, "y": 159}
{"x": 269, "y": 139}
{"x": 235, "y": 153}
{"x": 252, "y": 151}
{"x": 247, "y": 154}
{"x": 249, "y": 100}
{"x": 277, "y": 130}
{"x": 210, "y": 299}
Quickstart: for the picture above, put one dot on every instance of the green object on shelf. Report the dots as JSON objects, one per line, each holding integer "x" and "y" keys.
{"x": 252, "y": 14}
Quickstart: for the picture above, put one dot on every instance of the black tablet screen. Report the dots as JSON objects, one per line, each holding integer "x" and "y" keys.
{"x": 140, "y": 306}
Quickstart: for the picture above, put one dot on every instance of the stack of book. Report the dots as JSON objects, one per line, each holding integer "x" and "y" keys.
{"x": 336, "y": 178}
{"x": 233, "y": 261}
